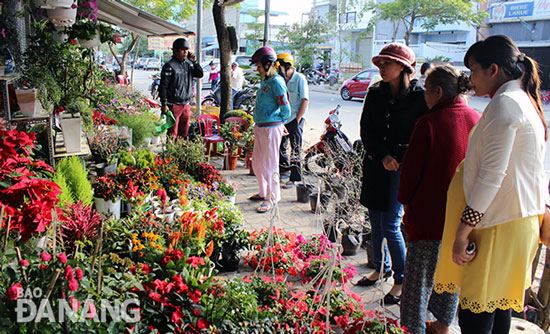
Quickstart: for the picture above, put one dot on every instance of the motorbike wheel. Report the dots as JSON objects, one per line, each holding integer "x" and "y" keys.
{"x": 317, "y": 163}
{"x": 209, "y": 102}
{"x": 155, "y": 92}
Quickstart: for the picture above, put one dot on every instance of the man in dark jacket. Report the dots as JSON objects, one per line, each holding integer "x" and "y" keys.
{"x": 176, "y": 86}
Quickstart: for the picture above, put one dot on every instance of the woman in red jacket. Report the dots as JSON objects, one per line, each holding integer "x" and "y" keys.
{"x": 438, "y": 144}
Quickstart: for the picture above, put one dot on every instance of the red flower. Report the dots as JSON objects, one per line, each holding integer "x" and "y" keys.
{"x": 23, "y": 263}
{"x": 62, "y": 257}
{"x": 72, "y": 41}
{"x": 73, "y": 284}
{"x": 75, "y": 304}
{"x": 79, "y": 274}
{"x": 195, "y": 296}
{"x": 195, "y": 261}
{"x": 45, "y": 257}
{"x": 202, "y": 324}
{"x": 15, "y": 291}
{"x": 69, "y": 273}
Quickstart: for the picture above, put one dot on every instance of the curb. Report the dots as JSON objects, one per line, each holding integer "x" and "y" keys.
{"x": 323, "y": 90}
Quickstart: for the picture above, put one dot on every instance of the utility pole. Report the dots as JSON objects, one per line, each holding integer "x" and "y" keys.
{"x": 266, "y": 25}
{"x": 198, "y": 54}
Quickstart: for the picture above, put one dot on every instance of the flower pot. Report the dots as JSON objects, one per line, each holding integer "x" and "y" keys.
{"x": 147, "y": 141}
{"x": 155, "y": 140}
{"x": 60, "y": 37}
{"x": 62, "y": 16}
{"x": 313, "y": 201}
{"x": 72, "y": 131}
{"x": 26, "y": 98}
{"x": 112, "y": 167}
{"x": 90, "y": 43}
{"x": 108, "y": 207}
{"x": 231, "y": 264}
{"x": 302, "y": 192}
{"x": 351, "y": 242}
{"x": 230, "y": 161}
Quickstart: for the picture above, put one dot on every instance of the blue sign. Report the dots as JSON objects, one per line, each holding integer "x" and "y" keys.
{"x": 511, "y": 10}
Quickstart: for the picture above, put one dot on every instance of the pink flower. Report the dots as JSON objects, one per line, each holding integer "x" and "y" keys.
{"x": 75, "y": 304}
{"x": 145, "y": 268}
{"x": 42, "y": 267}
{"x": 62, "y": 257}
{"x": 3, "y": 33}
{"x": 92, "y": 311}
{"x": 195, "y": 261}
{"x": 79, "y": 274}
{"x": 73, "y": 284}
{"x": 69, "y": 273}
{"x": 15, "y": 291}
{"x": 45, "y": 257}
{"x": 23, "y": 263}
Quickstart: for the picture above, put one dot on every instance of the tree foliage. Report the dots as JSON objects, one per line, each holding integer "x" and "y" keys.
{"x": 256, "y": 28}
{"x": 428, "y": 12}
{"x": 301, "y": 39}
{"x": 174, "y": 10}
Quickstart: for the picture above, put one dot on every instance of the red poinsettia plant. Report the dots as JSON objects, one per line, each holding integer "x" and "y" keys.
{"x": 26, "y": 193}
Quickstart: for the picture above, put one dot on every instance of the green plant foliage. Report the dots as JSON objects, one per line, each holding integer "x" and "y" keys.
{"x": 239, "y": 302}
{"x": 80, "y": 105}
{"x": 76, "y": 179}
{"x": 65, "y": 198}
{"x": 186, "y": 154}
{"x": 242, "y": 114}
{"x": 143, "y": 125}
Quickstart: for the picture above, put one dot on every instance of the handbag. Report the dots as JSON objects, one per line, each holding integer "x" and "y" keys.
{"x": 545, "y": 227}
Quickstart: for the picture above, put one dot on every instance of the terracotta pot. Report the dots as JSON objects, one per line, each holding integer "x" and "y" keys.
{"x": 230, "y": 161}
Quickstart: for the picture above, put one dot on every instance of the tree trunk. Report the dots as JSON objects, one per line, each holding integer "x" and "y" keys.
{"x": 122, "y": 62}
{"x": 218, "y": 10}
{"x": 409, "y": 29}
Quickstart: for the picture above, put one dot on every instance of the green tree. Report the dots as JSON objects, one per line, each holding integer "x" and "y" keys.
{"x": 257, "y": 29}
{"x": 302, "y": 38}
{"x": 428, "y": 12}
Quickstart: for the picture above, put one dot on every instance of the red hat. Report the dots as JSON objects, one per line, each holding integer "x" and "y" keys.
{"x": 398, "y": 52}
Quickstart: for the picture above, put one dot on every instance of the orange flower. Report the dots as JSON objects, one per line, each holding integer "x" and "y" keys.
{"x": 210, "y": 249}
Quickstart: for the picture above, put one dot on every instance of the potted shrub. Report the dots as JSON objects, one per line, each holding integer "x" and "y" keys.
{"x": 107, "y": 192}
{"x": 71, "y": 123}
{"x": 232, "y": 142}
{"x": 91, "y": 34}
{"x": 235, "y": 240}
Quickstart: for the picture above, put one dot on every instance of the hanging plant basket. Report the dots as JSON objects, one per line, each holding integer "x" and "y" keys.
{"x": 90, "y": 43}
{"x": 64, "y": 17}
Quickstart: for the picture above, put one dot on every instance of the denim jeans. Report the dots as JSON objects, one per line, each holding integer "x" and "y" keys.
{"x": 294, "y": 163}
{"x": 233, "y": 93}
{"x": 386, "y": 224}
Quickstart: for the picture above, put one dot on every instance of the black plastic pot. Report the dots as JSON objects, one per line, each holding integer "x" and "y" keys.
{"x": 302, "y": 192}
{"x": 313, "y": 201}
{"x": 351, "y": 242}
{"x": 231, "y": 264}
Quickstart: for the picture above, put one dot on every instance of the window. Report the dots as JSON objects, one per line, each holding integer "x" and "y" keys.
{"x": 363, "y": 76}
{"x": 348, "y": 17}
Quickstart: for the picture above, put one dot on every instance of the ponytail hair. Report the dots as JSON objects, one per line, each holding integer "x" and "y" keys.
{"x": 453, "y": 82}
{"x": 502, "y": 51}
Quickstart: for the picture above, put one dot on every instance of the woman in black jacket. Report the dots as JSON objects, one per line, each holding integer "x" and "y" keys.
{"x": 389, "y": 114}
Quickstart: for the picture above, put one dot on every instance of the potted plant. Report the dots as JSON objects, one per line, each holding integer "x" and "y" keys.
{"x": 107, "y": 192}
{"x": 50, "y": 4}
{"x": 235, "y": 240}
{"x": 91, "y": 34}
{"x": 70, "y": 118}
{"x": 62, "y": 16}
{"x": 232, "y": 142}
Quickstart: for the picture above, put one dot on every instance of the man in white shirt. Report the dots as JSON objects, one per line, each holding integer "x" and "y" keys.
{"x": 237, "y": 81}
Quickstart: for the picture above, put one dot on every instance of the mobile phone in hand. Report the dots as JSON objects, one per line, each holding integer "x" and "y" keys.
{"x": 471, "y": 248}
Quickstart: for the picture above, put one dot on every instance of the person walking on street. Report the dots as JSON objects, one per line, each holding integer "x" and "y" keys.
{"x": 271, "y": 113}
{"x": 438, "y": 144}
{"x": 214, "y": 75}
{"x": 176, "y": 86}
{"x": 387, "y": 122}
{"x": 237, "y": 81}
{"x": 299, "y": 100}
{"x": 496, "y": 199}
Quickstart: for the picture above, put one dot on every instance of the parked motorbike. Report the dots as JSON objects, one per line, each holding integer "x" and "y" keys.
{"x": 154, "y": 88}
{"x": 315, "y": 77}
{"x": 240, "y": 101}
{"x": 334, "y": 151}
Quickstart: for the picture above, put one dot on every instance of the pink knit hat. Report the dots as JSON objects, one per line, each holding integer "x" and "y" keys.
{"x": 398, "y": 52}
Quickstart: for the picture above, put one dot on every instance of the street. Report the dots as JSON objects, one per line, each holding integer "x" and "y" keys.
{"x": 322, "y": 100}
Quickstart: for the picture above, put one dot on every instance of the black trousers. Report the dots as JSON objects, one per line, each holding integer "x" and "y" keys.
{"x": 497, "y": 322}
{"x": 294, "y": 163}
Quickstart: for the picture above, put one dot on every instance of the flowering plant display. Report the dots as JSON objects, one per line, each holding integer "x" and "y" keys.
{"x": 104, "y": 142}
{"x": 232, "y": 136}
{"x": 107, "y": 187}
{"x": 88, "y": 30}
{"x": 99, "y": 118}
{"x": 26, "y": 193}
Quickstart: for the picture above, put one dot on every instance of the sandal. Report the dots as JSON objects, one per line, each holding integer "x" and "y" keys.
{"x": 264, "y": 207}
{"x": 288, "y": 185}
{"x": 256, "y": 197}
{"x": 285, "y": 176}
{"x": 365, "y": 281}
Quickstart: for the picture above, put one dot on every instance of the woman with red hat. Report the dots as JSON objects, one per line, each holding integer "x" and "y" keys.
{"x": 389, "y": 114}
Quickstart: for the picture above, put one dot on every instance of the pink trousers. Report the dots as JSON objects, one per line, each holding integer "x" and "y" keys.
{"x": 265, "y": 160}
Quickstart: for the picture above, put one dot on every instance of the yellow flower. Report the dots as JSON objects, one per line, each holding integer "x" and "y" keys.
{"x": 135, "y": 249}
{"x": 152, "y": 243}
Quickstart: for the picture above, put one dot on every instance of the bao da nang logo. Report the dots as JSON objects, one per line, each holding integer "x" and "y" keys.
{"x": 32, "y": 307}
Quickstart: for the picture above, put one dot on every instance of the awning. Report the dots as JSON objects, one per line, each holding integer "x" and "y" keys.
{"x": 121, "y": 14}
{"x": 211, "y": 47}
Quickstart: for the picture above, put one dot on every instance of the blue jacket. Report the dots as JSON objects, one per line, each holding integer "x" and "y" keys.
{"x": 272, "y": 106}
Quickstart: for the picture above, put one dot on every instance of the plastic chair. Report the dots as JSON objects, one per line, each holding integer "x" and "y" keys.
{"x": 242, "y": 123}
{"x": 206, "y": 123}
{"x": 122, "y": 80}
